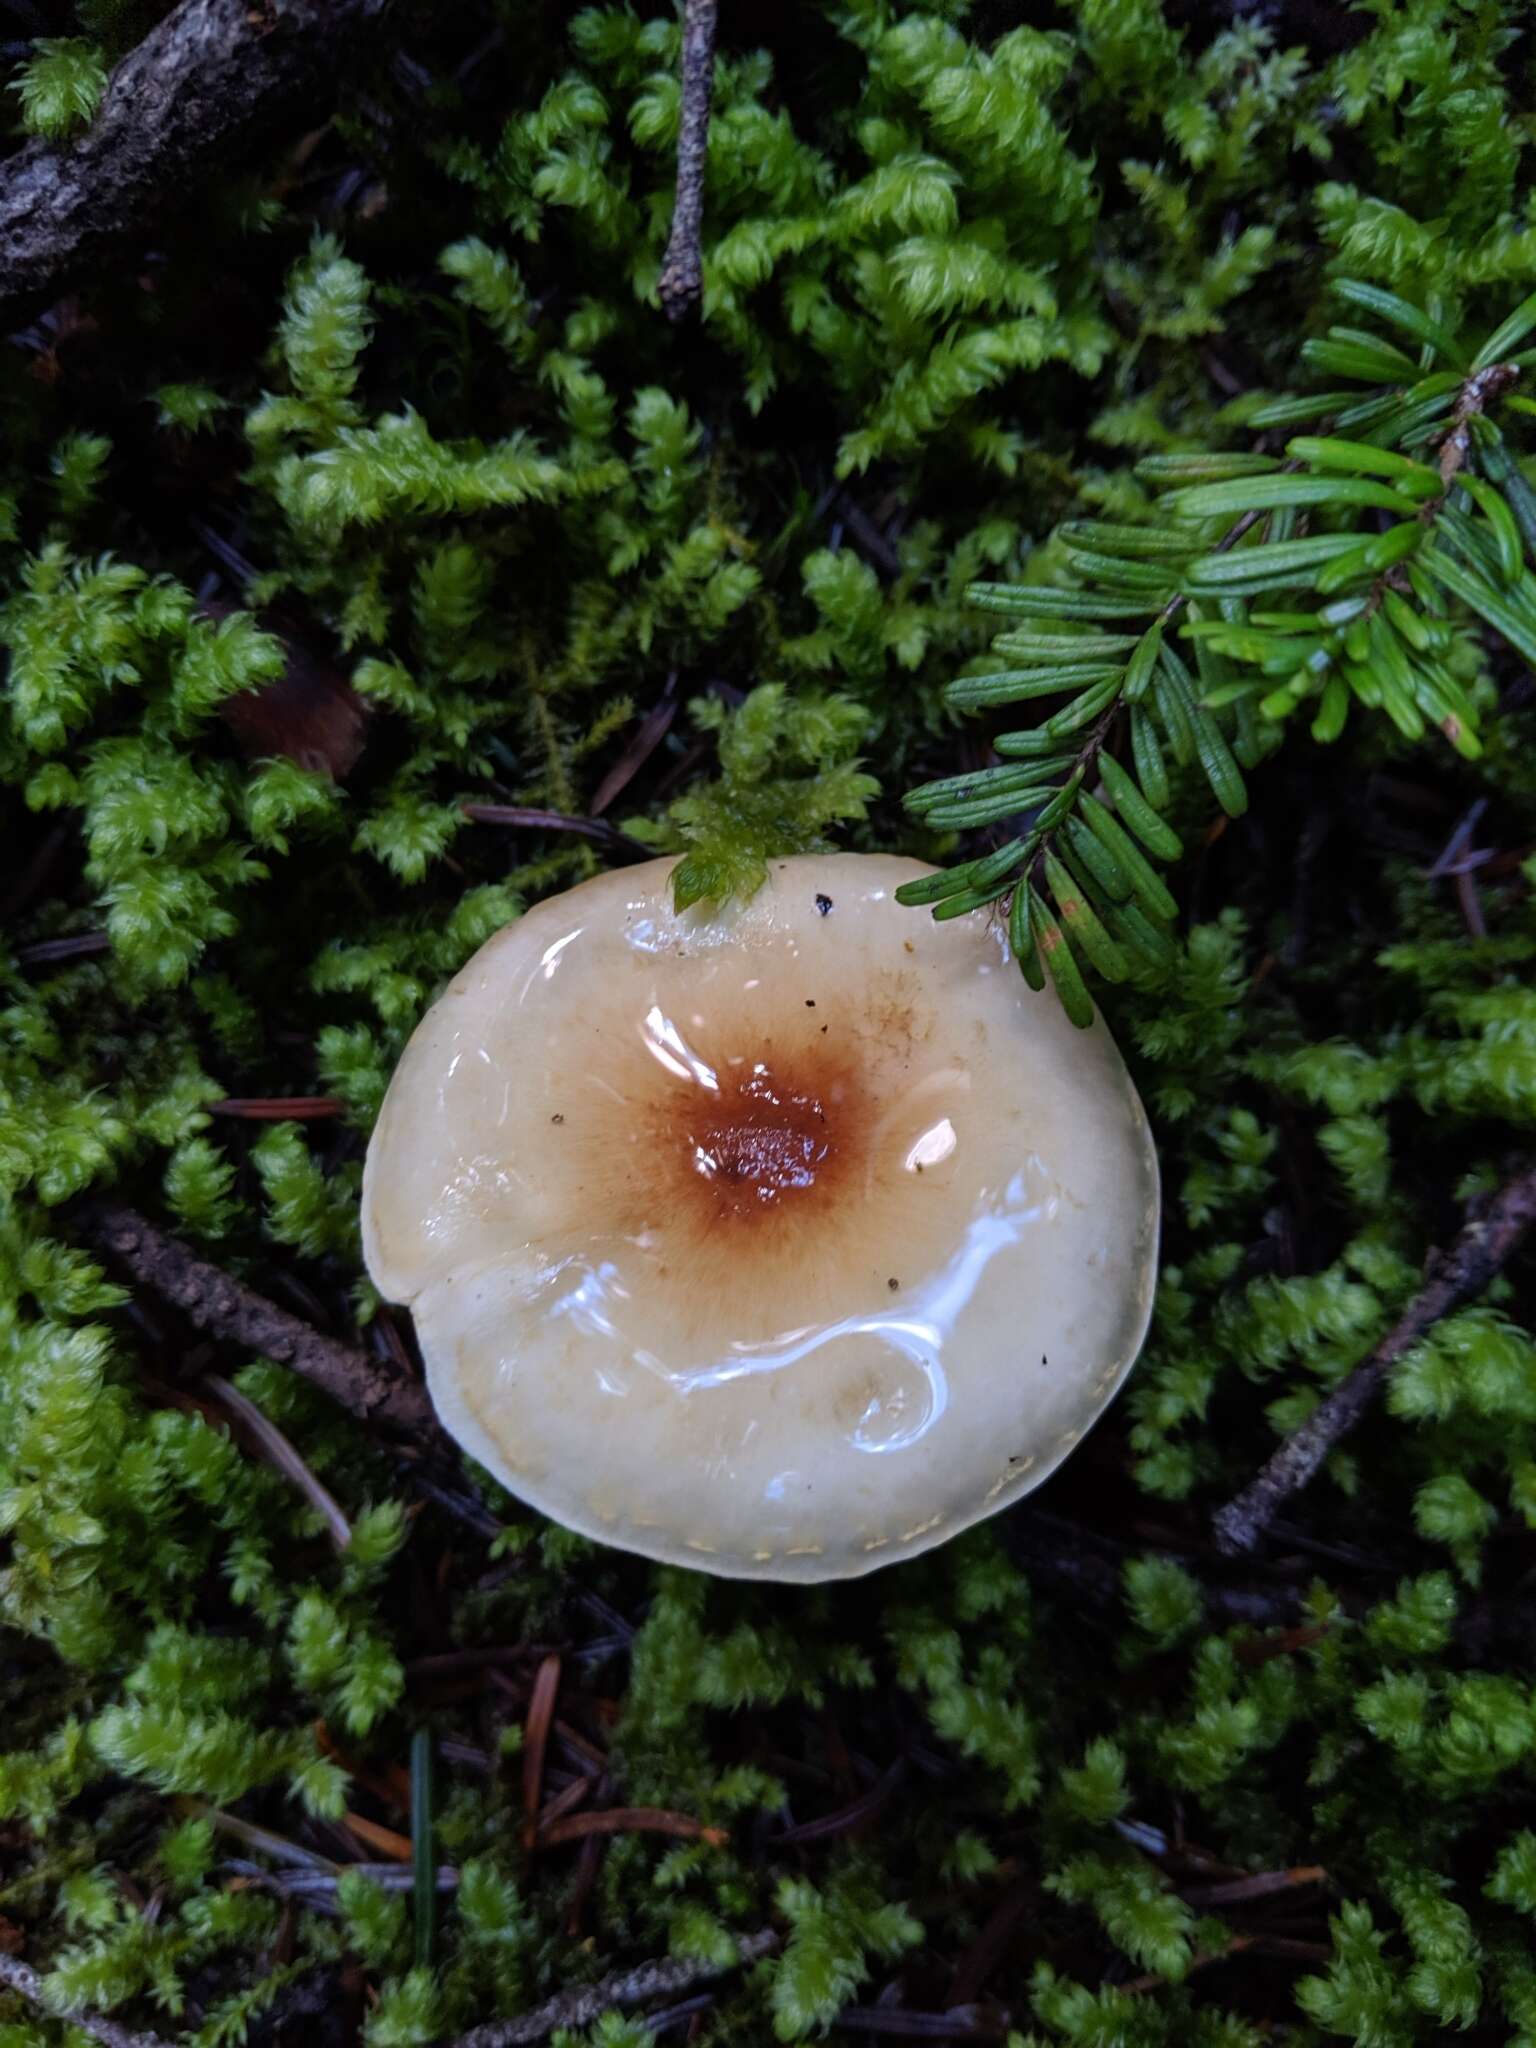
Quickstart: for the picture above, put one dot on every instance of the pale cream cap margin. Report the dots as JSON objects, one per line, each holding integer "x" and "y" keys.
{"x": 662, "y": 1407}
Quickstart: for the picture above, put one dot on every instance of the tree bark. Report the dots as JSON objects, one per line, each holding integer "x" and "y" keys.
{"x": 208, "y": 80}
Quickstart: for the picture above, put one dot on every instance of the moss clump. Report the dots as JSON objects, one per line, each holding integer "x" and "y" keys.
{"x": 386, "y": 489}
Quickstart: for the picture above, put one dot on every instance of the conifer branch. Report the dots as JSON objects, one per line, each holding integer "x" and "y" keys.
{"x": 21, "y": 1977}
{"x": 1109, "y": 721}
{"x": 1453, "y": 1280}
{"x": 205, "y": 82}
{"x": 1350, "y": 609}
{"x": 215, "y": 1301}
{"x": 625, "y": 1988}
{"x": 682, "y": 269}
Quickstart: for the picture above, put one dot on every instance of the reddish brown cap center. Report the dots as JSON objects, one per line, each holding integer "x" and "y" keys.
{"x": 764, "y": 1140}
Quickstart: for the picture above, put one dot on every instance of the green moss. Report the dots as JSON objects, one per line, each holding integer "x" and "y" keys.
{"x": 429, "y": 509}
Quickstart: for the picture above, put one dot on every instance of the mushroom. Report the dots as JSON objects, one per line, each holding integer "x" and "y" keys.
{"x": 782, "y": 1239}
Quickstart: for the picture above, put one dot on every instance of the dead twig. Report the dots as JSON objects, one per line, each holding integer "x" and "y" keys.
{"x": 280, "y": 1454}
{"x": 524, "y": 818}
{"x": 682, "y": 269}
{"x": 991, "y": 1946}
{"x": 20, "y": 1976}
{"x": 960, "y": 2023}
{"x": 1278, "y": 1945}
{"x": 625, "y": 1988}
{"x": 631, "y": 1820}
{"x": 1263, "y": 1884}
{"x": 1087, "y": 1567}
{"x": 871, "y": 540}
{"x": 1458, "y": 863}
{"x": 206, "y": 81}
{"x": 652, "y": 730}
{"x": 215, "y": 1301}
{"x": 1476, "y": 395}
{"x": 857, "y": 1811}
{"x": 46, "y": 951}
{"x": 429, "y": 1476}
{"x": 309, "y": 1885}
{"x": 454, "y": 1663}
{"x": 273, "y": 1109}
{"x": 263, "y": 1840}
{"x": 1452, "y": 1280}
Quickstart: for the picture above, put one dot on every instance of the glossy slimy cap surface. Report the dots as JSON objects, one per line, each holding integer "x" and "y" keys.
{"x": 783, "y": 1240}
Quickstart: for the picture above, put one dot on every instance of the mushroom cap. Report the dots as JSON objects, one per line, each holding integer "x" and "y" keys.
{"x": 782, "y": 1239}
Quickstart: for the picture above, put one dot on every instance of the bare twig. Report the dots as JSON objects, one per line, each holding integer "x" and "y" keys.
{"x": 431, "y": 1474}
{"x": 453, "y": 1663}
{"x": 1278, "y": 1945}
{"x": 46, "y": 951}
{"x": 1457, "y": 846}
{"x": 278, "y": 1847}
{"x": 308, "y": 1885}
{"x": 869, "y": 537}
{"x": 216, "y": 1301}
{"x": 850, "y": 1816}
{"x": 1263, "y": 1884}
{"x": 281, "y": 1454}
{"x": 674, "y": 2015}
{"x": 630, "y": 1820}
{"x": 1476, "y": 395}
{"x": 273, "y": 1109}
{"x": 1471, "y": 904}
{"x": 960, "y": 2023}
{"x": 522, "y": 817}
{"x": 20, "y": 1976}
{"x": 1454, "y": 1279}
{"x": 626, "y": 1988}
{"x": 652, "y": 730}
{"x": 1458, "y": 862}
{"x": 1087, "y": 1566}
{"x": 210, "y": 78}
{"x": 682, "y": 269}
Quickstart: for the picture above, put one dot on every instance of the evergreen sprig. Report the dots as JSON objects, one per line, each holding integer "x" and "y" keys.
{"x": 1355, "y": 568}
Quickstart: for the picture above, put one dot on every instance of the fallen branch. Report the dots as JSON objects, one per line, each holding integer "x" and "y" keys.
{"x": 215, "y": 1301}
{"x": 630, "y": 1987}
{"x": 207, "y": 81}
{"x": 1454, "y": 1279}
{"x": 682, "y": 269}
{"x": 19, "y": 1976}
